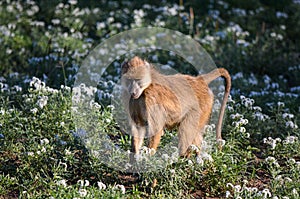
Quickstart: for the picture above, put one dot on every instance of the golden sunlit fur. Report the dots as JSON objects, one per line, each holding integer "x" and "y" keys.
{"x": 155, "y": 101}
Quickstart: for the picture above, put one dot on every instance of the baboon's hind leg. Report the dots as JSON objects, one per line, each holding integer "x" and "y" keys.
{"x": 187, "y": 132}
{"x": 198, "y": 142}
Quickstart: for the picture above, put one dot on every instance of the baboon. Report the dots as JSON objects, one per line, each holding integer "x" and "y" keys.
{"x": 155, "y": 102}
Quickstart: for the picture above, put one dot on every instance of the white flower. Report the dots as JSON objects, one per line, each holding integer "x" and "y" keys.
{"x": 55, "y": 21}
{"x": 44, "y": 141}
{"x": 206, "y": 156}
{"x": 273, "y": 34}
{"x": 208, "y": 128}
{"x": 128, "y": 165}
{"x": 240, "y": 123}
{"x": 34, "y": 110}
{"x": 291, "y": 124}
{"x": 172, "y": 171}
{"x": 254, "y": 189}
{"x": 278, "y": 178}
{"x": 42, "y": 101}
{"x": 298, "y": 164}
{"x": 247, "y": 102}
{"x": 221, "y": 142}
{"x": 288, "y": 179}
{"x": 295, "y": 192}
{"x": 84, "y": 183}
{"x": 110, "y": 20}
{"x": 82, "y": 192}
{"x": 229, "y": 185}
{"x": 292, "y": 161}
{"x": 283, "y": 27}
{"x": 100, "y": 25}
{"x": 17, "y": 88}
{"x": 173, "y": 11}
{"x": 72, "y": 2}
{"x": 228, "y": 194}
{"x": 257, "y": 108}
{"x": 280, "y": 104}
{"x": 64, "y": 165}
{"x": 68, "y": 152}
{"x": 242, "y": 129}
{"x": 37, "y": 83}
{"x": 111, "y": 107}
{"x": 43, "y": 149}
{"x": 237, "y": 188}
{"x": 194, "y": 148}
{"x": 139, "y": 12}
{"x": 236, "y": 116}
{"x": 101, "y": 185}
{"x": 62, "y": 183}
{"x": 121, "y": 188}
{"x": 2, "y": 111}
{"x": 290, "y": 139}
{"x": 266, "y": 193}
{"x": 90, "y": 91}
{"x": 281, "y": 15}
{"x": 270, "y": 159}
{"x": 244, "y": 121}
{"x": 199, "y": 160}
{"x": 95, "y": 105}
{"x": 287, "y": 115}
{"x": 165, "y": 157}
{"x": 272, "y": 142}
{"x": 190, "y": 162}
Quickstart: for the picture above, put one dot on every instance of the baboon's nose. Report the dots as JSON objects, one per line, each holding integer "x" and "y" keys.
{"x": 134, "y": 95}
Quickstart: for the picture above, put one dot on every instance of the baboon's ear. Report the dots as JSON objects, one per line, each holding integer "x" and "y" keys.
{"x": 147, "y": 64}
{"x": 124, "y": 67}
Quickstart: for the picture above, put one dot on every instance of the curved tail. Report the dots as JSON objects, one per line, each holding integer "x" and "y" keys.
{"x": 209, "y": 77}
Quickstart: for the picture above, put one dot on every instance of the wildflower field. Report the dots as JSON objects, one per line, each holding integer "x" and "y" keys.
{"x": 42, "y": 47}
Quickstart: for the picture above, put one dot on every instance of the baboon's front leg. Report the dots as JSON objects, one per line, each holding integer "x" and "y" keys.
{"x": 154, "y": 141}
{"x": 138, "y": 134}
{"x": 136, "y": 143}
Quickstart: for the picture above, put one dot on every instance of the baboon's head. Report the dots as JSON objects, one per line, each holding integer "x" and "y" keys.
{"x": 136, "y": 76}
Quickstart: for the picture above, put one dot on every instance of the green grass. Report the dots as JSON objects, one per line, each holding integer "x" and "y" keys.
{"x": 42, "y": 157}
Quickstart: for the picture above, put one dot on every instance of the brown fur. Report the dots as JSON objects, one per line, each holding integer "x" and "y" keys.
{"x": 167, "y": 102}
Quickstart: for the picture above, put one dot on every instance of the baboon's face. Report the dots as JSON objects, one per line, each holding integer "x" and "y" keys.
{"x": 136, "y": 81}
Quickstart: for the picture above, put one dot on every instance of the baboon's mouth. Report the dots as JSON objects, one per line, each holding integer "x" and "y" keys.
{"x": 135, "y": 96}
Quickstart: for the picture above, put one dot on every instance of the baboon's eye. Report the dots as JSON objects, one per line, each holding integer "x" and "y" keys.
{"x": 140, "y": 83}
{"x": 128, "y": 81}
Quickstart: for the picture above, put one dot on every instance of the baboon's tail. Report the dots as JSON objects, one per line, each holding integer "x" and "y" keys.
{"x": 209, "y": 77}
